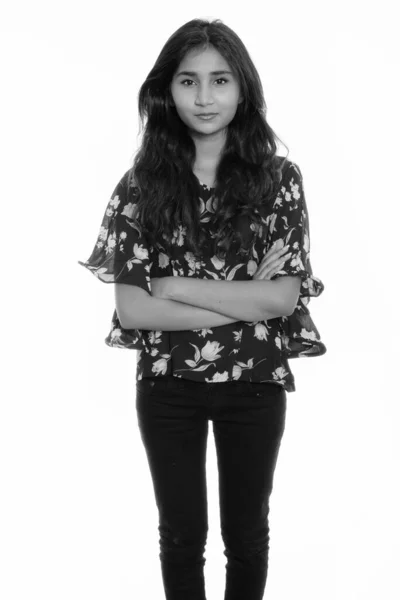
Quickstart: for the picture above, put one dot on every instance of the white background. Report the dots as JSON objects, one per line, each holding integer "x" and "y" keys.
{"x": 78, "y": 515}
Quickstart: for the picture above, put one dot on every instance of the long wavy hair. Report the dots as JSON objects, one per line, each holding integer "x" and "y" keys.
{"x": 247, "y": 174}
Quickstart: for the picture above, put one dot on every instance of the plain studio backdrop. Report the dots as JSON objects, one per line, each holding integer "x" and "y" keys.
{"x": 78, "y": 514}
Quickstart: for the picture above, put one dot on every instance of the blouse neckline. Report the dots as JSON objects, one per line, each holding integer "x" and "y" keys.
{"x": 204, "y": 184}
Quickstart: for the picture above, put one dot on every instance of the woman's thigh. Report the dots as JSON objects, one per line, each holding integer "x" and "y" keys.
{"x": 248, "y": 429}
{"x": 174, "y": 433}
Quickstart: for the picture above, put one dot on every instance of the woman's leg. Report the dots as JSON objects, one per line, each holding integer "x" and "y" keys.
{"x": 174, "y": 431}
{"x": 249, "y": 421}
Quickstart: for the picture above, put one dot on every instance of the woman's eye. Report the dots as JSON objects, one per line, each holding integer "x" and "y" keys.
{"x": 220, "y": 79}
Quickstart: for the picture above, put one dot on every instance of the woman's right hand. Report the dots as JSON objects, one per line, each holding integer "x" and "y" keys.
{"x": 272, "y": 262}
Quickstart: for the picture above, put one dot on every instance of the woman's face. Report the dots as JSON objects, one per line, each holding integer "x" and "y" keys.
{"x": 201, "y": 91}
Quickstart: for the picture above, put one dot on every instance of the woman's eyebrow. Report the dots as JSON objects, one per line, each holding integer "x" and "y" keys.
{"x": 194, "y": 73}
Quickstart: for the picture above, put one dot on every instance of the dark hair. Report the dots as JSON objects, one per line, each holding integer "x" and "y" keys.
{"x": 248, "y": 172}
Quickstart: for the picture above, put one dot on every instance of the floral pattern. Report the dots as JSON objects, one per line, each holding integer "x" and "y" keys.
{"x": 255, "y": 352}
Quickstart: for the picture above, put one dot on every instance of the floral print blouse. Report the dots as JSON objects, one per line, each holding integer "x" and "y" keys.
{"x": 247, "y": 351}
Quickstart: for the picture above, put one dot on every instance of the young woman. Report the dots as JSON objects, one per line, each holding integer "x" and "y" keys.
{"x": 206, "y": 238}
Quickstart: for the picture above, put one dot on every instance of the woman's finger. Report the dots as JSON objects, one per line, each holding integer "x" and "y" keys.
{"x": 273, "y": 261}
{"x": 273, "y": 271}
{"x": 276, "y": 246}
{"x": 273, "y": 254}
{"x": 267, "y": 270}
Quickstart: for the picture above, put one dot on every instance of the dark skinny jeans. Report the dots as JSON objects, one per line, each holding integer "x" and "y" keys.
{"x": 248, "y": 424}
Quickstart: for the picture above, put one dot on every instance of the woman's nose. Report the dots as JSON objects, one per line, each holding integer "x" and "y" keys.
{"x": 204, "y": 95}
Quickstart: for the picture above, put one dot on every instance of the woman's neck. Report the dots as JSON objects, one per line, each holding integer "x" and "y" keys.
{"x": 206, "y": 173}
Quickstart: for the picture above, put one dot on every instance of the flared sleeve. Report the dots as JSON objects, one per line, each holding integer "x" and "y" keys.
{"x": 289, "y": 221}
{"x": 121, "y": 255}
